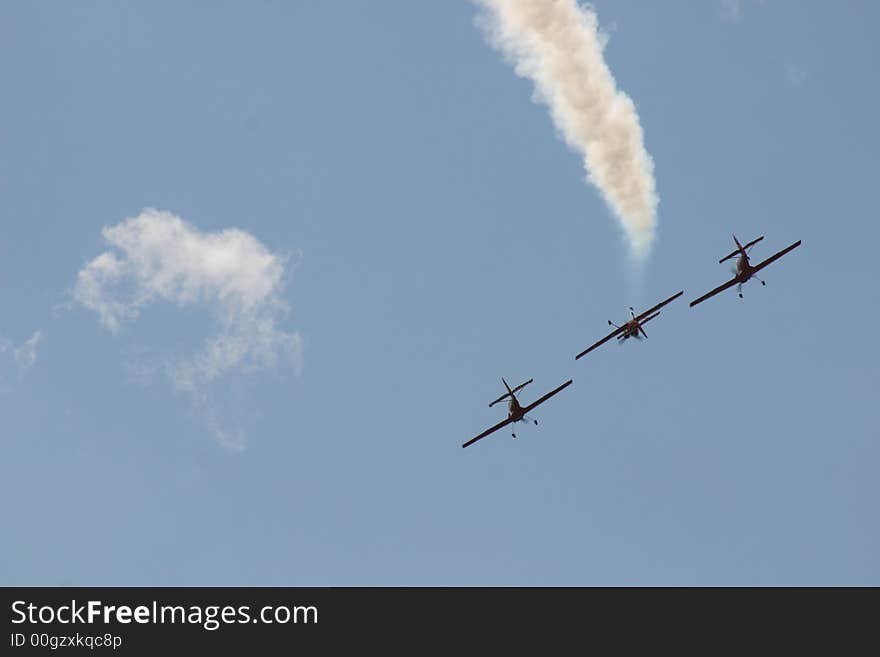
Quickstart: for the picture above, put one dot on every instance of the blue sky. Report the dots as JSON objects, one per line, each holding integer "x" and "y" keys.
{"x": 436, "y": 235}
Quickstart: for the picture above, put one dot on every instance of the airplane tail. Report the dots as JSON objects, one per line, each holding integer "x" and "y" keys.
{"x": 740, "y": 250}
{"x": 511, "y": 392}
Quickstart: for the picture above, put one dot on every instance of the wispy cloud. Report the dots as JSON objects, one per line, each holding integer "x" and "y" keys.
{"x": 158, "y": 257}
{"x": 796, "y": 75}
{"x": 24, "y": 355}
{"x": 731, "y": 10}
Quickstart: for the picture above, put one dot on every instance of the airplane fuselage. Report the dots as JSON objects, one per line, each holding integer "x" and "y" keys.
{"x": 514, "y": 410}
{"x": 631, "y": 329}
{"x": 743, "y": 269}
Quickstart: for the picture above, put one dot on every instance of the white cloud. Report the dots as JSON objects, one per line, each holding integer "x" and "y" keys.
{"x": 166, "y": 258}
{"x": 796, "y": 75}
{"x": 731, "y": 9}
{"x": 26, "y": 354}
{"x": 160, "y": 257}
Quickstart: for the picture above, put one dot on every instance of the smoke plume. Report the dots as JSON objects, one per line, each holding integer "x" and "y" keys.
{"x": 557, "y": 44}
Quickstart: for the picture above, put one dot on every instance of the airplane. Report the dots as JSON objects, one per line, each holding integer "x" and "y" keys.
{"x": 515, "y": 412}
{"x": 633, "y": 328}
{"x": 744, "y": 269}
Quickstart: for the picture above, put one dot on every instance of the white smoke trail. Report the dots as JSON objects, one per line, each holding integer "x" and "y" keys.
{"x": 556, "y": 43}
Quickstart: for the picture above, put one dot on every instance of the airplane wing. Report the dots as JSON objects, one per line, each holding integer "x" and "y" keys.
{"x": 498, "y": 426}
{"x": 546, "y": 397}
{"x": 649, "y": 318}
{"x": 616, "y": 331}
{"x": 720, "y": 288}
{"x": 659, "y": 306}
{"x": 761, "y": 265}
